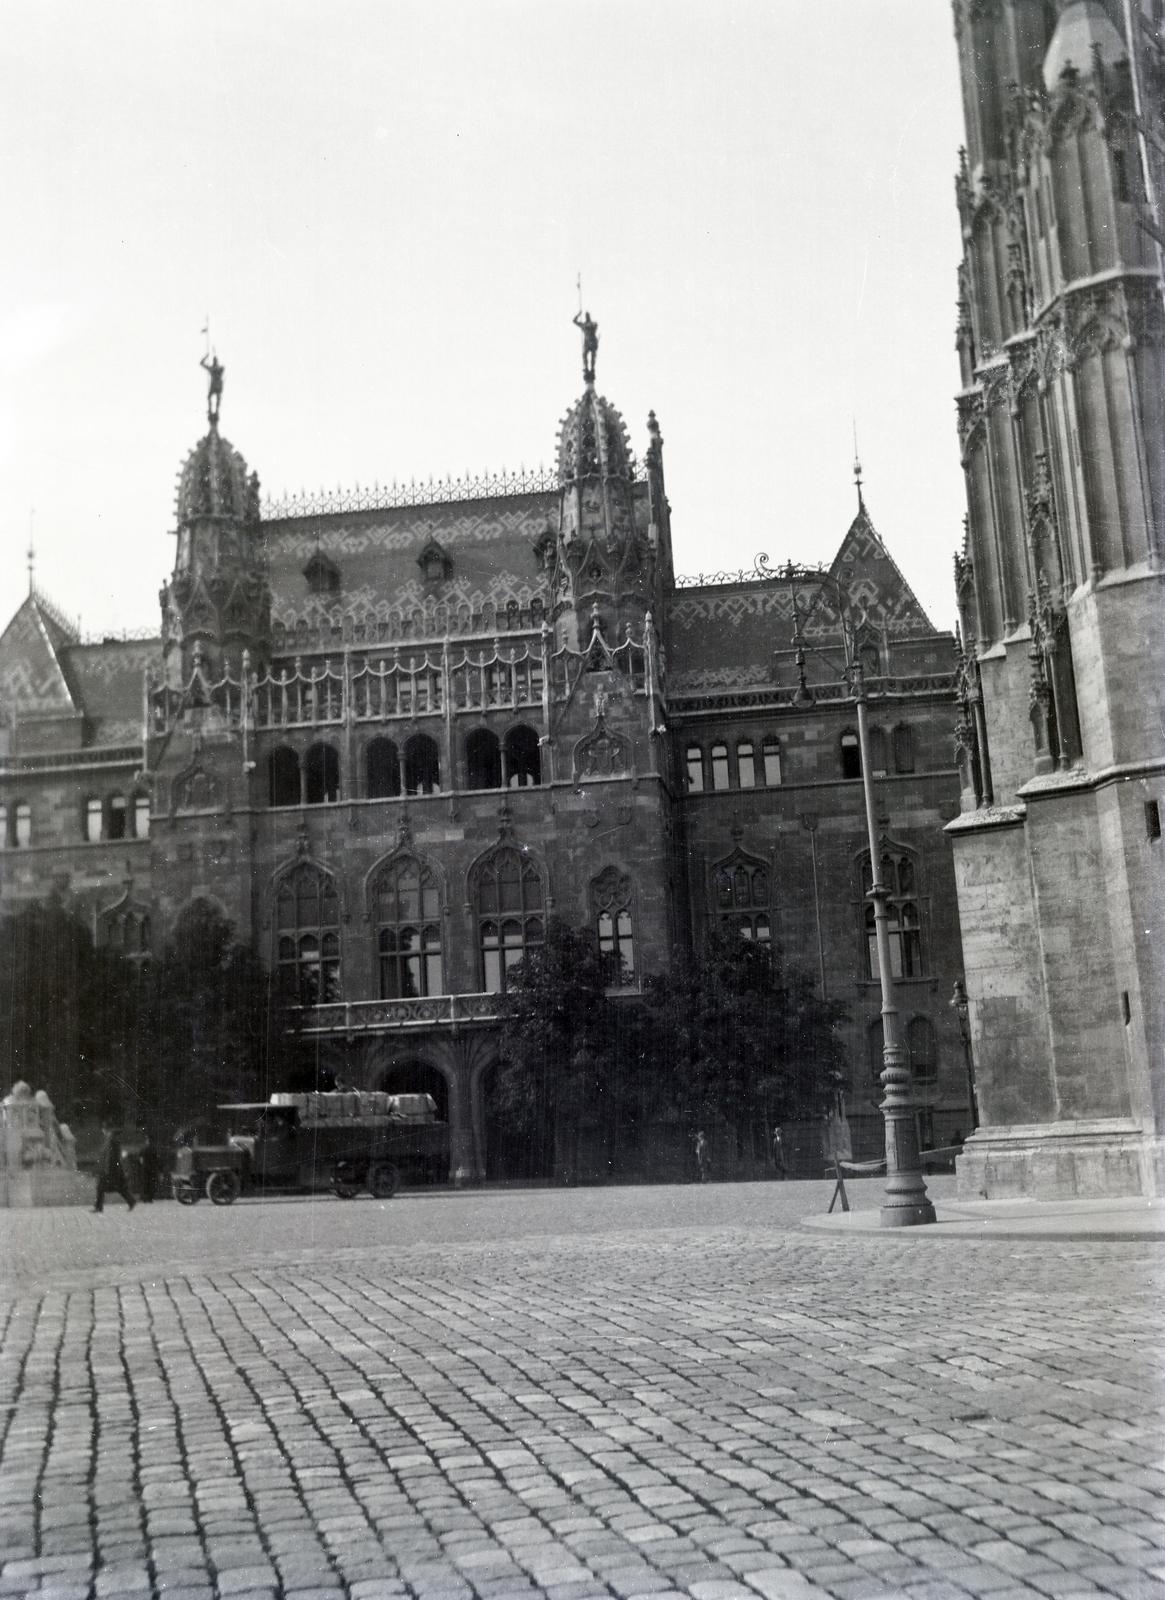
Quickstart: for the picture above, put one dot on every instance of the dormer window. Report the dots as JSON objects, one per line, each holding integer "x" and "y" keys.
{"x": 434, "y": 562}
{"x": 323, "y": 576}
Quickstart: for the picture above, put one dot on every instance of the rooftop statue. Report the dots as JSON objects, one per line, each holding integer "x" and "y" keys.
{"x": 590, "y": 333}
{"x": 214, "y": 368}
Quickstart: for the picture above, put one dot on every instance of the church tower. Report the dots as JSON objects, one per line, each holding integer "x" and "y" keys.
{"x": 1061, "y": 338}
{"x": 217, "y": 604}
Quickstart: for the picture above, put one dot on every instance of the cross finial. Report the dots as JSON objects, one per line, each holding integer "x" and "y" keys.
{"x": 31, "y": 551}
{"x": 858, "y": 470}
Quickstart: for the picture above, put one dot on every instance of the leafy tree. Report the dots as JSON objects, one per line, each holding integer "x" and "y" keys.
{"x": 747, "y": 1038}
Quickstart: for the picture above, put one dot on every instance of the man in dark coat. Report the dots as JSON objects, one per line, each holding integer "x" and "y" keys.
{"x": 110, "y": 1170}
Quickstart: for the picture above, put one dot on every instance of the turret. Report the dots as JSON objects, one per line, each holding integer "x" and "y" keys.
{"x": 217, "y": 604}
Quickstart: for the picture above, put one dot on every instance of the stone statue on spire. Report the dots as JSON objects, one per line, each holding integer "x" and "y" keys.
{"x": 590, "y": 333}
{"x": 214, "y": 369}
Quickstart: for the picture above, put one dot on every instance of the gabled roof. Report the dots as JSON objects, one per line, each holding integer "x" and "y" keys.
{"x": 874, "y": 581}
{"x": 33, "y": 678}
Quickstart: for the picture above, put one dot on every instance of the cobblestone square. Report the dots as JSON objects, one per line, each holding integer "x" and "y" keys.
{"x": 618, "y": 1392}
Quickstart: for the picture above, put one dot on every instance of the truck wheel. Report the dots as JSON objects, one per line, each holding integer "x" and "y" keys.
{"x": 184, "y": 1192}
{"x": 383, "y": 1180}
{"x": 222, "y": 1188}
{"x": 347, "y": 1180}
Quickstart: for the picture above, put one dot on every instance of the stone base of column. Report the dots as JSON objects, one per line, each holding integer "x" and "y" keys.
{"x": 1109, "y": 1157}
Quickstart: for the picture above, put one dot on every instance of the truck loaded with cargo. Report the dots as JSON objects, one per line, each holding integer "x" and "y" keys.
{"x": 343, "y": 1141}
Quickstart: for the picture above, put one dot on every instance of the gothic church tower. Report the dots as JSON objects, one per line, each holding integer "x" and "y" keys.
{"x": 1061, "y": 337}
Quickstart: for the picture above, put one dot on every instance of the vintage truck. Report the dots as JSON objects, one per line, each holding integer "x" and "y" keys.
{"x": 345, "y": 1141}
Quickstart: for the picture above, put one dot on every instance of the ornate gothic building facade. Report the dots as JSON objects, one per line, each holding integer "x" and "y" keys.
{"x": 1058, "y": 851}
{"x": 389, "y": 735}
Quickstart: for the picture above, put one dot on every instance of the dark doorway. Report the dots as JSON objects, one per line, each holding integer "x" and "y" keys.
{"x": 414, "y": 1076}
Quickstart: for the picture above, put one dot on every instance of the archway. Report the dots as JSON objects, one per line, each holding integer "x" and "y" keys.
{"x": 414, "y": 1075}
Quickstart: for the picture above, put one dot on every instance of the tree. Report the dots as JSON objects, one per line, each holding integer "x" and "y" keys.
{"x": 556, "y": 1057}
{"x": 746, "y": 1038}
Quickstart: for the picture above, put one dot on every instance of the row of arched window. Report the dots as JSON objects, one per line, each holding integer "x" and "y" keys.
{"x": 103, "y": 817}
{"x": 507, "y": 900}
{"x": 389, "y": 769}
{"x": 720, "y": 767}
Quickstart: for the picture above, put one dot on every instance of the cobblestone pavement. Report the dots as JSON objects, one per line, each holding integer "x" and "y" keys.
{"x": 666, "y": 1392}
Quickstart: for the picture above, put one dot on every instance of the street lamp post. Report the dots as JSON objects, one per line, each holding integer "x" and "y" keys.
{"x": 906, "y": 1203}
{"x": 962, "y": 1009}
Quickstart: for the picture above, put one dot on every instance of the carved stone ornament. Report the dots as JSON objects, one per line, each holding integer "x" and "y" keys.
{"x": 610, "y": 890}
{"x": 601, "y": 754}
{"x": 197, "y": 790}
{"x": 970, "y": 417}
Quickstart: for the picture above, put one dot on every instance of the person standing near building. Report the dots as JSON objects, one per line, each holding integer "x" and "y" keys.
{"x": 702, "y": 1161}
{"x": 111, "y": 1169}
{"x": 779, "y": 1162}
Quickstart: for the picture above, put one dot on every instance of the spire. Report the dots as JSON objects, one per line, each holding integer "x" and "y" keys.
{"x": 31, "y": 551}
{"x": 858, "y": 471}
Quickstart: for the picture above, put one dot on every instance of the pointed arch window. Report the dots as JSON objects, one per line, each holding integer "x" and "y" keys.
{"x": 720, "y": 766}
{"x": 772, "y": 762}
{"x": 903, "y": 739}
{"x": 510, "y": 916}
{"x": 382, "y": 769}
{"x": 521, "y": 758}
{"x": 878, "y": 757}
{"x": 283, "y": 777}
{"x": 851, "y": 755}
{"x": 742, "y": 890}
{"x": 903, "y": 916}
{"x": 126, "y": 929}
{"x": 307, "y": 935}
{"x": 611, "y": 908}
{"x": 422, "y": 765}
{"x": 694, "y": 762}
{"x": 118, "y": 824}
{"x": 745, "y": 764}
{"x": 407, "y": 907}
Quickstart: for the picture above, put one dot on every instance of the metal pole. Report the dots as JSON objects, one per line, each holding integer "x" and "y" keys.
{"x": 906, "y": 1202}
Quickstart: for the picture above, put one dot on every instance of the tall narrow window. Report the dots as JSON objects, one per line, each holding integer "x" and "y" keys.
{"x": 903, "y": 918}
{"x": 407, "y": 907}
{"x": 922, "y": 1050}
{"x": 321, "y": 775}
{"x": 94, "y": 819}
{"x": 878, "y": 758}
{"x": 141, "y": 816}
{"x": 772, "y": 760}
{"x": 521, "y": 759}
{"x": 741, "y": 889}
{"x": 422, "y": 765}
{"x": 483, "y": 760}
{"x": 851, "y": 755}
{"x": 118, "y": 817}
{"x": 745, "y": 765}
{"x": 307, "y": 925}
{"x": 611, "y": 906}
{"x": 903, "y": 748}
{"x": 283, "y": 777}
{"x": 382, "y": 769}
{"x": 719, "y": 766}
{"x": 508, "y": 892}
{"x": 694, "y": 759}
{"x": 23, "y": 830}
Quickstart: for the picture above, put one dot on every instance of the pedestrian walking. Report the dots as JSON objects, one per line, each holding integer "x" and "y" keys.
{"x": 702, "y": 1162}
{"x": 779, "y": 1162}
{"x": 148, "y": 1170}
{"x": 111, "y": 1169}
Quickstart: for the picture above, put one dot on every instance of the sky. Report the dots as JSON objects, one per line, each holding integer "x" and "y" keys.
{"x": 384, "y": 208}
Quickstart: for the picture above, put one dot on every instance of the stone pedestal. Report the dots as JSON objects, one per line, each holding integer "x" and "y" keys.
{"x": 1106, "y": 1156}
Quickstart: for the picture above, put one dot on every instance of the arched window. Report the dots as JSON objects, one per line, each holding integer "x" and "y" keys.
{"x": 382, "y": 769}
{"x": 483, "y": 760}
{"x": 741, "y": 888}
{"x": 283, "y": 777}
{"x": 141, "y": 816}
{"x": 321, "y": 775}
{"x": 694, "y": 758}
{"x": 307, "y": 929}
{"x": 719, "y": 766}
{"x": 871, "y": 659}
{"x": 903, "y": 748}
{"x": 922, "y": 1049}
{"x": 509, "y": 913}
{"x": 422, "y": 765}
{"x": 22, "y": 833}
{"x": 94, "y": 819}
{"x": 878, "y": 758}
{"x": 903, "y": 918}
{"x": 611, "y": 907}
{"x": 127, "y": 930}
{"x": 772, "y": 761}
{"x": 118, "y": 817}
{"x": 407, "y": 908}
{"x": 745, "y": 765}
{"x": 851, "y": 755}
{"x": 522, "y": 759}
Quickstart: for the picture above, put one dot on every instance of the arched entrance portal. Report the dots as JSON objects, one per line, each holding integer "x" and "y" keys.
{"x": 415, "y": 1076}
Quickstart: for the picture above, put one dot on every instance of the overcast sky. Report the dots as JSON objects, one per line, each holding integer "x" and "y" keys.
{"x": 384, "y": 206}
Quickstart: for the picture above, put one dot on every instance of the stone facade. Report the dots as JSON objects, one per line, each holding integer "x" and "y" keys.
{"x": 388, "y": 734}
{"x": 1058, "y": 851}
